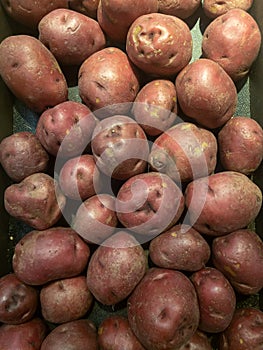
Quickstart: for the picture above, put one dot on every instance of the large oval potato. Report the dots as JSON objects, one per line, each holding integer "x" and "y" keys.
{"x": 215, "y": 8}
{"x": 31, "y": 72}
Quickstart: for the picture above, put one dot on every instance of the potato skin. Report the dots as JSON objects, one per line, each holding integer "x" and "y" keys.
{"x": 240, "y": 144}
{"x": 21, "y": 155}
{"x": 163, "y": 310}
{"x": 233, "y": 40}
{"x": 206, "y": 93}
{"x": 74, "y": 335}
{"x": 222, "y": 203}
{"x": 182, "y": 8}
{"x": 239, "y": 256}
{"x": 115, "y": 268}
{"x": 213, "y": 8}
{"x": 37, "y": 259}
{"x": 180, "y": 248}
{"x": 18, "y": 301}
{"x": 159, "y": 44}
{"x": 31, "y": 72}
{"x": 199, "y": 341}
{"x": 87, "y": 7}
{"x": 37, "y": 201}
{"x": 70, "y": 36}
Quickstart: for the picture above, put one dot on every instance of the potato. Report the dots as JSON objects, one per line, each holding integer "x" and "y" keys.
{"x": 120, "y": 147}
{"x": 31, "y": 72}
{"x": 182, "y": 8}
{"x": 66, "y": 129}
{"x": 240, "y": 144}
{"x": 108, "y": 79}
{"x": 18, "y": 301}
{"x": 25, "y": 336}
{"x": 21, "y": 155}
{"x": 206, "y": 93}
{"x": 114, "y": 333}
{"x": 215, "y": 8}
{"x": 180, "y": 248}
{"x": 199, "y": 341}
{"x": 163, "y": 310}
{"x": 235, "y": 53}
{"x": 115, "y": 268}
{"x": 70, "y": 36}
{"x": 74, "y": 335}
{"x": 30, "y": 12}
{"x": 149, "y": 203}
{"x": 96, "y": 218}
{"x": 65, "y": 300}
{"x": 87, "y": 7}
{"x": 37, "y": 201}
{"x": 184, "y": 152}
{"x": 159, "y": 44}
{"x": 115, "y": 16}
{"x": 217, "y": 299}
{"x": 155, "y": 106}
{"x": 44, "y": 256}
{"x": 239, "y": 256}
{"x": 222, "y": 203}
{"x": 245, "y": 331}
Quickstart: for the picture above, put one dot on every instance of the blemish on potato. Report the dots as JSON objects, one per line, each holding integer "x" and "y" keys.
{"x": 229, "y": 270}
{"x": 174, "y": 234}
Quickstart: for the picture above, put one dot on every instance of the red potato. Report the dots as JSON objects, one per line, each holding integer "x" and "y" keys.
{"x": 215, "y": 8}
{"x": 180, "y": 248}
{"x": 66, "y": 129}
{"x": 96, "y": 218}
{"x": 217, "y": 299}
{"x": 206, "y": 93}
{"x": 25, "y": 336}
{"x": 199, "y": 341}
{"x": 115, "y": 16}
{"x": 74, "y": 335}
{"x": 239, "y": 256}
{"x": 159, "y": 44}
{"x": 70, "y": 36}
{"x": 163, "y": 310}
{"x": 222, "y": 203}
{"x": 87, "y": 7}
{"x": 179, "y": 8}
{"x": 115, "y": 268}
{"x": 21, "y": 155}
{"x": 149, "y": 203}
{"x": 108, "y": 79}
{"x": 155, "y": 106}
{"x": 184, "y": 152}
{"x": 114, "y": 333}
{"x": 31, "y": 72}
{"x": 65, "y": 300}
{"x": 240, "y": 144}
{"x": 120, "y": 147}
{"x": 245, "y": 331}
{"x": 18, "y": 301}
{"x": 37, "y": 201}
{"x": 44, "y": 256}
{"x": 233, "y": 40}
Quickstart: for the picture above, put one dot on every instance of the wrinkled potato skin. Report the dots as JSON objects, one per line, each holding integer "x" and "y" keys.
{"x": 155, "y": 106}
{"x": 199, "y": 341}
{"x": 159, "y": 44}
{"x": 25, "y": 336}
{"x": 233, "y": 40}
{"x": 215, "y": 8}
{"x": 179, "y": 8}
{"x": 70, "y": 36}
{"x": 163, "y": 310}
{"x": 80, "y": 334}
{"x": 240, "y": 144}
{"x": 180, "y": 248}
{"x": 87, "y": 7}
{"x": 206, "y": 93}
{"x": 32, "y": 73}
{"x": 18, "y": 301}
{"x": 37, "y": 201}
{"x": 60, "y": 250}
{"x": 21, "y": 155}
{"x": 245, "y": 331}
{"x": 229, "y": 201}
{"x": 239, "y": 256}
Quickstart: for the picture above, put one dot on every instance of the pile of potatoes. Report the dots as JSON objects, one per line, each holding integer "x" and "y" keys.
{"x": 139, "y": 195}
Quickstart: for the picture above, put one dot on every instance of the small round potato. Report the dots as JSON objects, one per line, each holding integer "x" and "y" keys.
{"x": 215, "y": 8}
{"x": 179, "y": 8}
